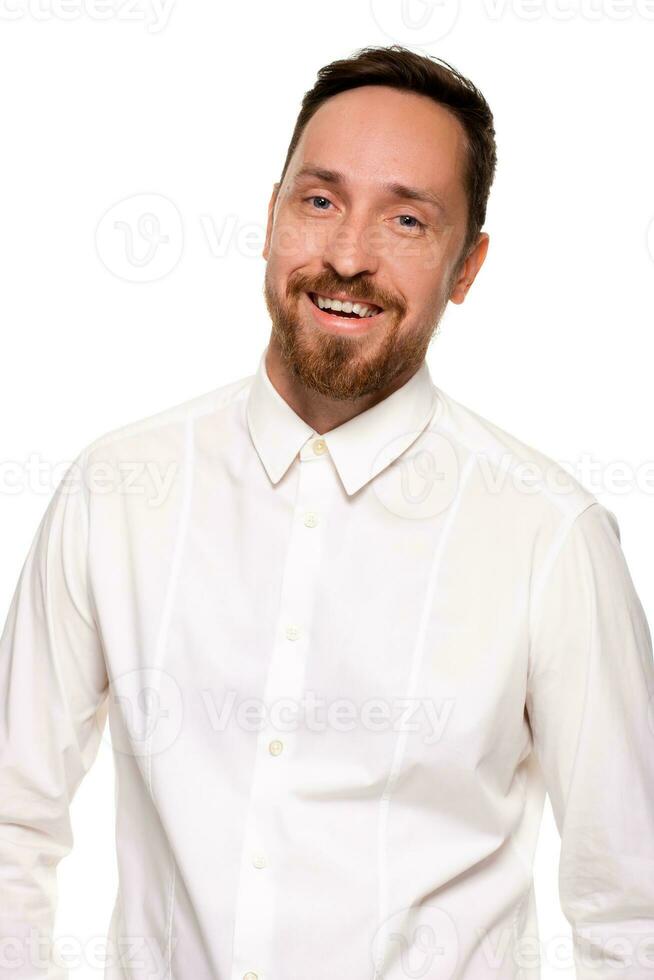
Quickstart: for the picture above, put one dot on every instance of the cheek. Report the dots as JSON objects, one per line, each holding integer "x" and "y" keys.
{"x": 420, "y": 262}
{"x": 424, "y": 298}
{"x": 294, "y": 242}
{"x": 420, "y": 291}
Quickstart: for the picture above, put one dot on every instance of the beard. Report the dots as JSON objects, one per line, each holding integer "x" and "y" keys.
{"x": 343, "y": 367}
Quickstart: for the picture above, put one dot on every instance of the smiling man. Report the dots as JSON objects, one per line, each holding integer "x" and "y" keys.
{"x": 379, "y": 219}
{"x": 360, "y": 636}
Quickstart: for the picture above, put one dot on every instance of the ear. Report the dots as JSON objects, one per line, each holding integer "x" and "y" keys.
{"x": 271, "y": 210}
{"x": 469, "y": 269}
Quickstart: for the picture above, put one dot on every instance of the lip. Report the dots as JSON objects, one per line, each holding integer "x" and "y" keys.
{"x": 341, "y": 325}
{"x": 344, "y": 299}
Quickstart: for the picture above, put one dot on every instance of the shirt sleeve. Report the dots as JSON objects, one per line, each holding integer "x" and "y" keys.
{"x": 590, "y": 705}
{"x": 53, "y": 701}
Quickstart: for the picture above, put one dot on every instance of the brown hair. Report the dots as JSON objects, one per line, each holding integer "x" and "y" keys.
{"x": 402, "y": 68}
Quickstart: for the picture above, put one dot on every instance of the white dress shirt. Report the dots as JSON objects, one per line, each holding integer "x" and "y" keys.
{"x": 340, "y": 672}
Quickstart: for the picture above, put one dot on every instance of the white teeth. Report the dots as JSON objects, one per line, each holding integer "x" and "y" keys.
{"x": 361, "y": 309}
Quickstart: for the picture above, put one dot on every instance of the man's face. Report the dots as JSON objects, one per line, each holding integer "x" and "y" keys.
{"x": 346, "y": 223}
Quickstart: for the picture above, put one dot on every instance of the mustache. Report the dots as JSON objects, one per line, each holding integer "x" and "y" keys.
{"x": 361, "y": 290}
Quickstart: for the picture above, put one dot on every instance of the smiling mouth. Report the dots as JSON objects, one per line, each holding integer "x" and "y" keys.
{"x": 371, "y": 310}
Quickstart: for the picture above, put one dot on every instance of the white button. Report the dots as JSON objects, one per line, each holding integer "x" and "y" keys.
{"x": 319, "y": 446}
{"x": 275, "y": 747}
{"x": 250, "y": 976}
{"x": 259, "y": 860}
{"x": 310, "y": 519}
{"x": 292, "y": 632}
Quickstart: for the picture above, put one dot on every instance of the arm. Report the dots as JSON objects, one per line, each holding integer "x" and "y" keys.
{"x": 590, "y": 704}
{"x": 53, "y": 688}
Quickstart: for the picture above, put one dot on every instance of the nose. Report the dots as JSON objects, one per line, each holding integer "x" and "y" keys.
{"x": 348, "y": 248}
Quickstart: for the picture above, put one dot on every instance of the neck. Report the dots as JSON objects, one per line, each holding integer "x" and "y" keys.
{"x": 319, "y": 411}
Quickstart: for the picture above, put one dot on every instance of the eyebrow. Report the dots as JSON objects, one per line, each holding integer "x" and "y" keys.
{"x": 395, "y": 188}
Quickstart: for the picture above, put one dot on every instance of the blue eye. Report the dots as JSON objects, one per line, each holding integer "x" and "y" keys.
{"x": 418, "y": 224}
{"x": 317, "y": 197}
{"x": 326, "y": 204}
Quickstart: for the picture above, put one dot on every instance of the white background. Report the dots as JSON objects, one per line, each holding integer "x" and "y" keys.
{"x": 195, "y": 103}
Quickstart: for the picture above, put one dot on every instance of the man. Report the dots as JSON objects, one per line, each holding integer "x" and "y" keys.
{"x": 346, "y": 631}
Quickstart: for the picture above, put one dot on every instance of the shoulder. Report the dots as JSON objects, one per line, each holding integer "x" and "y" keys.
{"x": 509, "y": 466}
{"x": 165, "y": 431}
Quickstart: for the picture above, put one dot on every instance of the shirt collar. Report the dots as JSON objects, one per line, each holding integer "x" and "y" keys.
{"x": 360, "y": 447}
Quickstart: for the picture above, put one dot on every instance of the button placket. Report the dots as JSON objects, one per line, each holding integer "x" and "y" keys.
{"x": 253, "y": 935}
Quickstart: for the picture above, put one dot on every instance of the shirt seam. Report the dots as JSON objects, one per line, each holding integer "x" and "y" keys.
{"x": 400, "y": 744}
{"x": 492, "y": 458}
{"x": 184, "y": 512}
{"x": 538, "y": 590}
{"x": 149, "y": 424}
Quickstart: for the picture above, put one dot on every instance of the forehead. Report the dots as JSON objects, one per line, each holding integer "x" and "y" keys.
{"x": 375, "y": 133}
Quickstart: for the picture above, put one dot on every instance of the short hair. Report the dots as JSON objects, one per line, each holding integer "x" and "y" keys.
{"x": 403, "y": 69}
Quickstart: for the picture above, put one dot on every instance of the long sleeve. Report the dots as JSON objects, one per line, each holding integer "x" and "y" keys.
{"x": 53, "y": 688}
{"x": 590, "y": 705}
